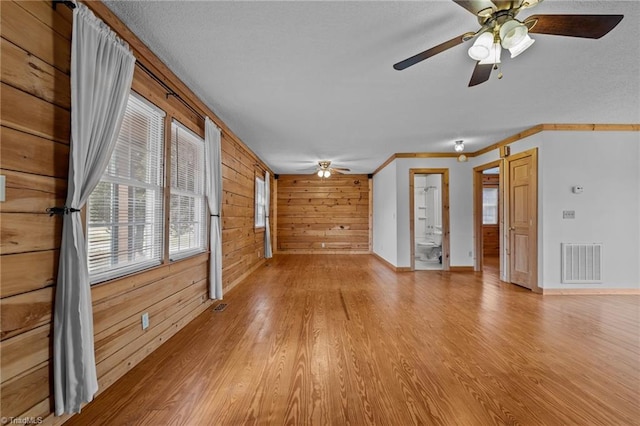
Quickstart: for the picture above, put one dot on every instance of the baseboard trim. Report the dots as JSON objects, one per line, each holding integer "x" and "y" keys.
{"x": 383, "y": 260}
{"x": 241, "y": 278}
{"x": 460, "y": 268}
{"x": 590, "y": 291}
{"x": 390, "y": 265}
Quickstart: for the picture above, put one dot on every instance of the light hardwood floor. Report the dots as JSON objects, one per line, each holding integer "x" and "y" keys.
{"x": 344, "y": 340}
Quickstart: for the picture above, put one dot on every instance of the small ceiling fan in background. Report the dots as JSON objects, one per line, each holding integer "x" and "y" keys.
{"x": 500, "y": 29}
{"x": 324, "y": 169}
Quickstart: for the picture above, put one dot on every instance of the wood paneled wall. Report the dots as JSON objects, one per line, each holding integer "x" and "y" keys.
{"x": 35, "y": 128}
{"x": 323, "y": 215}
{"x": 242, "y": 244}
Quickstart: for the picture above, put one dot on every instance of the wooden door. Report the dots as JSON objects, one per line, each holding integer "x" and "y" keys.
{"x": 523, "y": 220}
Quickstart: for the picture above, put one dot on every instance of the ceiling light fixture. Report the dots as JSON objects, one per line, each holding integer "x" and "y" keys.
{"x": 515, "y": 37}
{"x": 324, "y": 173}
{"x": 522, "y": 46}
{"x": 494, "y": 55}
{"x": 481, "y": 47}
{"x": 512, "y": 32}
{"x": 458, "y": 146}
{"x": 512, "y": 35}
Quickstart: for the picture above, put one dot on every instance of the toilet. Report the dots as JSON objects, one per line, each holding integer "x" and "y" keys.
{"x": 431, "y": 248}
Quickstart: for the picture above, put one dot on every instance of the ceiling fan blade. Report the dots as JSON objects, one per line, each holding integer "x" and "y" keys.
{"x": 341, "y": 169}
{"x": 585, "y": 26}
{"x": 428, "y": 53}
{"x": 481, "y": 73}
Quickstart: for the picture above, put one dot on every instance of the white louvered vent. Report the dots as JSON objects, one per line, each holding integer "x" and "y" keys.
{"x": 581, "y": 263}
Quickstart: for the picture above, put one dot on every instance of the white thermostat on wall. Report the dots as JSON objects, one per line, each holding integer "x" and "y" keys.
{"x": 577, "y": 189}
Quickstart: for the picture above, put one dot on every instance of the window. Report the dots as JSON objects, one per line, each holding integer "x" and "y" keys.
{"x": 260, "y": 215}
{"x": 187, "y": 221}
{"x": 125, "y": 210}
{"x": 489, "y": 206}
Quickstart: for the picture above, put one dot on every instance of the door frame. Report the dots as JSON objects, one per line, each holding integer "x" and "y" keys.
{"x": 533, "y": 203}
{"x": 445, "y": 214}
{"x": 477, "y": 212}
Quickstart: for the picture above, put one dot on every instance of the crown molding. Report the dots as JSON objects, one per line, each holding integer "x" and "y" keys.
{"x": 576, "y": 127}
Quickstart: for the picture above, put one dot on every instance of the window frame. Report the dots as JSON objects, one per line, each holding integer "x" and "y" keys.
{"x": 496, "y": 206}
{"x": 259, "y": 204}
{"x": 198, "y": 197}
{"x": 114, "y": 272}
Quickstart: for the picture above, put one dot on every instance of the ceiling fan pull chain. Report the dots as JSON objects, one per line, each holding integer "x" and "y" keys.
{"x": 499, "y": 68}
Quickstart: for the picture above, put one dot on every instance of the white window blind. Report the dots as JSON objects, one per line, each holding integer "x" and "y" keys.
{"x": 489, "y": 206}
{"x": 125, "y": 211}
{"x": 260, "y": 214}
{"x": 187, "y": 212}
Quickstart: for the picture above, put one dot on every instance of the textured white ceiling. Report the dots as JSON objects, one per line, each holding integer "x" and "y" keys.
{"x": 305, "y": 81}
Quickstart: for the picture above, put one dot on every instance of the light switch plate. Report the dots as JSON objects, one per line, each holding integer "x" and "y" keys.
{"x": 568, "y": 214}
{"x": 145, "y": 320}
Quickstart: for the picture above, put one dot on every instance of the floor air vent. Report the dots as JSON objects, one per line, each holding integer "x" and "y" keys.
{"x": 581, "y": 263}
{"x": 220, "y": 307}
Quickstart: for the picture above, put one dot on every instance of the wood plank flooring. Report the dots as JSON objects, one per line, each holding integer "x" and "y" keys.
{"x": 344, "y": 340}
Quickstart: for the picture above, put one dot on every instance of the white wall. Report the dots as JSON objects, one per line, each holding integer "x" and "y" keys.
{"x": 606, "y": 164}
{"x": 385, "y": 235}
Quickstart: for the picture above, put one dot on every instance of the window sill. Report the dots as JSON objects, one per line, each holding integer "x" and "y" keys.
{"x": 146, "y": 275}
{"x": 186, "y": 254}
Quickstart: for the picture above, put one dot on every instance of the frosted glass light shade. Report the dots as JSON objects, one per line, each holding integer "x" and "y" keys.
{"x": 522, "y": 46}
{"x": 494, "y": 55}
{"x": 459, "y": 146}
{"x": 512, "y": 33}
{"x": 481, "y": 47}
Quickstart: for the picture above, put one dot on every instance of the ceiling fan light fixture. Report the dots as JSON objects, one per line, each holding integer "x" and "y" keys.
{"x": 522, "y": 46}
{"x": 320, "y": 173}
{"x": 323, "y": 173}
{"x": 481, "y": 48}
{"x": 458, "y": 146}
{"x": 494, "y": 55}
{"x": 512, "y": 33}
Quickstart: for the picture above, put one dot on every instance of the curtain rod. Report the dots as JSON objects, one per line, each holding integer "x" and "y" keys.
{"x": 68, "y": 3}
{"x": 170, "y": 92}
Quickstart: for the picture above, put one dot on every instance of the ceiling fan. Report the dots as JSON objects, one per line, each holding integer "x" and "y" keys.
{"x": 500, "y": 29}
{"x": 325, "y": 170}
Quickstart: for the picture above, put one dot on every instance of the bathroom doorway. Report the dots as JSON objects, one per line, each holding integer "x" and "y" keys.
{"x": 429, "y": 222}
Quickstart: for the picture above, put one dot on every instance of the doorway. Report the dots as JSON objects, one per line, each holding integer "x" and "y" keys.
{"x": 517, "y": 218}
{"x": 488, "y": 217}
{"x": 429, "y": 219}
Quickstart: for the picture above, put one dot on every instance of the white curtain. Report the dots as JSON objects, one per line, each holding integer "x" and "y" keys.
{"x": 267, "y": 231}
{"x": 101, "y": 74}
{"x": 213, "y": 188}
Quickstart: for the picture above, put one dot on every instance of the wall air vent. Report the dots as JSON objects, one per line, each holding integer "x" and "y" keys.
{"x": 581, "y": 263}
